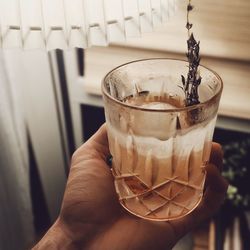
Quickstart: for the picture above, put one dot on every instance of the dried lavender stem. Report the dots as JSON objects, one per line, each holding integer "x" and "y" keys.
{"x": 191, "y": 84}
{"x": 188, "y": 11}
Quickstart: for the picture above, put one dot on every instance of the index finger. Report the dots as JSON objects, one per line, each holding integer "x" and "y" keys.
{"x": 216, "y": 156}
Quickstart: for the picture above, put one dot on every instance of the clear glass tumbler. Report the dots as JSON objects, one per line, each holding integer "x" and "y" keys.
{"x": 159, "y": 146}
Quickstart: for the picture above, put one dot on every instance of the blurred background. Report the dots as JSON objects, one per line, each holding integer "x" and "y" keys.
{"x": 50, "y": 103}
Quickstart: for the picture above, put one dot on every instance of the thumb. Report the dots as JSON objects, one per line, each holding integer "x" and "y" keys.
{"x": 96, "y": 147}
{"x": 100, "y": 137}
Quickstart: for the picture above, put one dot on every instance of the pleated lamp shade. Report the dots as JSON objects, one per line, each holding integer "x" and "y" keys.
{"x": 62, "y": 24}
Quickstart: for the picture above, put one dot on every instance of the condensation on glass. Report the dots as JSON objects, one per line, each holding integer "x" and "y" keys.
{"x": 160, "y": 147}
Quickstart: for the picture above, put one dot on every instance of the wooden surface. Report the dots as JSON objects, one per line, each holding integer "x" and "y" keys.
{"x": 221, "y": 26}
{"x": 235, "y": 100}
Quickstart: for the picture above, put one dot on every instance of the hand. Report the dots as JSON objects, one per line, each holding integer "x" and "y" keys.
{"x": 92, "y": 218}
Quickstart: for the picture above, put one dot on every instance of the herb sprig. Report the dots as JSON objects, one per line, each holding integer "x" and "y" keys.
{"x": 191, "y": 84}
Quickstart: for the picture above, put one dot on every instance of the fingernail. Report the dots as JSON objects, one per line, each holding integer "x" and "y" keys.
{"x": 109, "y": 160}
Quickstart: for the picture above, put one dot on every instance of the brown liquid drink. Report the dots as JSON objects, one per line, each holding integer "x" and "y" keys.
{"x": 159, "y": 147}
{"x": 160, "y": 179}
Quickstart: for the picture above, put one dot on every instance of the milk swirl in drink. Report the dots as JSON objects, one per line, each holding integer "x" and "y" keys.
{"x": 159, "y": 176}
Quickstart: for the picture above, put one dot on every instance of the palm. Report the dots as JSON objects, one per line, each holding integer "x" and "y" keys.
{"x": 92, "y": 212}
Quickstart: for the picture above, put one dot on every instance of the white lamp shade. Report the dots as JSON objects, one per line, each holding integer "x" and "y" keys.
{"x": 51, "y": 24}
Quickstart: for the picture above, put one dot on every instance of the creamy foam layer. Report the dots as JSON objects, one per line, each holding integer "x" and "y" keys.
{"x": 158, "y": 105}
{"x": 182, "y": 144}
{"x": 151, "y": 122}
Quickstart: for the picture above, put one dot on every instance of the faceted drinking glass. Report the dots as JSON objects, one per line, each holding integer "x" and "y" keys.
{"x": 159, "y": 146}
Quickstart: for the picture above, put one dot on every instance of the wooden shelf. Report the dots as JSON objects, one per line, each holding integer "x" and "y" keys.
{"x": 235, "y": 100}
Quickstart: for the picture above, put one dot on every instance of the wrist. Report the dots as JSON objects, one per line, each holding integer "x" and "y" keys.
{"x": 57, "y": 238}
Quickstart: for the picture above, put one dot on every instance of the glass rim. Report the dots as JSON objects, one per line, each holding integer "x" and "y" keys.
{"x": 186, "y": 108}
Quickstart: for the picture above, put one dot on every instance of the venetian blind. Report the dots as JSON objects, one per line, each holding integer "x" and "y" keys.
{"x": 80, "y": 23}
